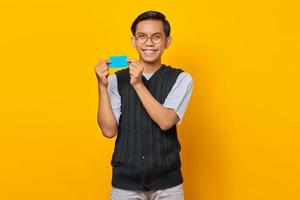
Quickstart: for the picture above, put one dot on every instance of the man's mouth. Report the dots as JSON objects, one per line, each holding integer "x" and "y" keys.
{"x": 149, "y": 50}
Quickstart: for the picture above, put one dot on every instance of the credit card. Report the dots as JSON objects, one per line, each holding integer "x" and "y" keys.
{"x": 118, "y": 61}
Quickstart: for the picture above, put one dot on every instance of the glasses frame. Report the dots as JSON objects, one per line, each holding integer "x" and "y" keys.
{"x": 151, "y": 38}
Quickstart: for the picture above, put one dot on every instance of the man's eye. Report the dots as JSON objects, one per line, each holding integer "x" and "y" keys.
{"x": 141, "y": 36}
{"x": 157, "y": 36}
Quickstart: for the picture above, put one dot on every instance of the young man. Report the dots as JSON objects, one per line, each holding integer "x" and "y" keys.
{"x": 142, "y": 105}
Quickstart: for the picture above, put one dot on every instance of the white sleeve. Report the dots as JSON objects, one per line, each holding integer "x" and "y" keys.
{"x": 114, "y": 96}
{"x": 180, "y": 94}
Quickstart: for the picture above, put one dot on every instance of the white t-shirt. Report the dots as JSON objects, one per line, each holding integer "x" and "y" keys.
{"x": 177, "y": 99}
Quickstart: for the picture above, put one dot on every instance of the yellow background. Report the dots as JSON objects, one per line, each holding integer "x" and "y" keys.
{"x": 240, "y": 135}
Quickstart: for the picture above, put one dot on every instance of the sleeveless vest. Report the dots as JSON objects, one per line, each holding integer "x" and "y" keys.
{"x": 145, "y": 157}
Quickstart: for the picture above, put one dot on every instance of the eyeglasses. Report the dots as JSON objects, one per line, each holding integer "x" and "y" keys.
{"x": 155, "y": 39}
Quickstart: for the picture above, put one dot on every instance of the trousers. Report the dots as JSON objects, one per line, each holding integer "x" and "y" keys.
{"x": 172, "y": 193}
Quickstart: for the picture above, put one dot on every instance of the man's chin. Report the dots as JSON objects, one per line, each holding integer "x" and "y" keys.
{"x": 150, "y": 60}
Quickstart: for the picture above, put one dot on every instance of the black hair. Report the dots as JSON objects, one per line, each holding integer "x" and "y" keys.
{"x": 152, "y": 15}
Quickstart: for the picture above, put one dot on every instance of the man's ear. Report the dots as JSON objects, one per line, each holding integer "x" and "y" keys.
{"x": 168, "y": 42}
{"x": 133, "y": 41}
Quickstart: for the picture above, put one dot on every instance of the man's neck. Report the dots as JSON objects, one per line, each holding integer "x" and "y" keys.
{"x": 151, "y": 67}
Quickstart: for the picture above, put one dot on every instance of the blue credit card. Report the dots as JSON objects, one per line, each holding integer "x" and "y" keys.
{"x": 118, "y": 61}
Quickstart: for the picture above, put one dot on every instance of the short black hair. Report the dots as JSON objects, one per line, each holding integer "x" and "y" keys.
{"x": 155, "y": 15}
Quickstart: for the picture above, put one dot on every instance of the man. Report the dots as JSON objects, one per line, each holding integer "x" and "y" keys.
{"x": 142, "y": 105}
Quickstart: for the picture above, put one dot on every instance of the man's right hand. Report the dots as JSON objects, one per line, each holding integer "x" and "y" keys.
{"x": 102, "y": 72}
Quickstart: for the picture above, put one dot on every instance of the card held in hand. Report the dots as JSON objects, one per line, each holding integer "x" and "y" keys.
{"x": 118, "y": 61}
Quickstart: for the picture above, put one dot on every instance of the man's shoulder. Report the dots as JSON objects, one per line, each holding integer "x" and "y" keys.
{"x": 182, "y": 73}
{"x": 186, "y": 75}
{"x": 170, "y": 67}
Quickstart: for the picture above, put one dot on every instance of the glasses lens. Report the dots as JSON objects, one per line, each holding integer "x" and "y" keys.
{"x": 141, "y": 38}
{"x": 156, "y": 38}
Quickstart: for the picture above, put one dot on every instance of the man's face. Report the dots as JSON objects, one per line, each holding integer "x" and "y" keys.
{"x": 150, "y": 40}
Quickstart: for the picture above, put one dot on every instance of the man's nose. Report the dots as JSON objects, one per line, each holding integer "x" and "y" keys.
{"x": 149, "y": 42}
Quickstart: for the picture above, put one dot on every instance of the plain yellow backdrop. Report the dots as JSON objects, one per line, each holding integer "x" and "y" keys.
{"x": 240, "y": 135}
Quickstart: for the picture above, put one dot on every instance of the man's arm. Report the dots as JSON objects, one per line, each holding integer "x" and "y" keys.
{"x": 180, "y": 95}
{"x": 164, "y": 117}
{"x": 105, "y": 117}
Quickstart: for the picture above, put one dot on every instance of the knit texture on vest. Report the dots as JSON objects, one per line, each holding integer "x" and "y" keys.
{"x": 145, "y": 157}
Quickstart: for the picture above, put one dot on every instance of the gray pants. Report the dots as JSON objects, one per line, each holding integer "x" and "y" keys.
{"x": 173, "y": 193}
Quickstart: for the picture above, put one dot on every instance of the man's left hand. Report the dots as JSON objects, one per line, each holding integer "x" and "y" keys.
{"x": 136, "y": 69}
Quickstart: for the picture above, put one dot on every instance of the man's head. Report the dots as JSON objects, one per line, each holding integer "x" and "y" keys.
{"x": 151, "y": 35}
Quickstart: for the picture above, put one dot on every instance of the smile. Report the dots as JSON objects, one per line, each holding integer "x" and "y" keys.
{"x": 149, "y": 50}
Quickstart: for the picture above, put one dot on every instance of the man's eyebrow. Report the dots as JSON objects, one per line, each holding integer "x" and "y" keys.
{"x": 146, "y": 33}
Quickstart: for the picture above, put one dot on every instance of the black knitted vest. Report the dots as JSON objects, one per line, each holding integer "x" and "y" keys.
{"x": 145, "y": 157}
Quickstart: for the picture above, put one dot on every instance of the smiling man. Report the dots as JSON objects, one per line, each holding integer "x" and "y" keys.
{"x": 142, "y": 105}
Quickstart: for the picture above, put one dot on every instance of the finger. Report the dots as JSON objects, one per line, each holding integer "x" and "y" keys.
{"x": 137, "y": 69}
{"x": 134, "y": 75}
{"x": 133, "y": 64}
{"x": 104, "y": 61}
{"x": 101, "y": 62}
{"x": 131, "y": 67}
{"x": 131, "y": 61}
{"x": 138, "y": 65}
{"x": 101, "y": 67}
{"x": 131, "y": 74}
{"x": 103, "y": 76}
{"x": 104, "y": 69}
{"x": 100, "y": 70}
{"x": 105, "y": 73}
{"x": 134, "y": 70}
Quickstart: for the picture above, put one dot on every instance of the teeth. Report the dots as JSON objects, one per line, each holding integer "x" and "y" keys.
{"x": 150, "y": 52}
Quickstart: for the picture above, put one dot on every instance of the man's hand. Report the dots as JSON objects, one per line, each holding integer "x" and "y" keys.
{"x": 102, "y": 72}
{"x": 136, "y": 69}
{"x": 106, "y": 119}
